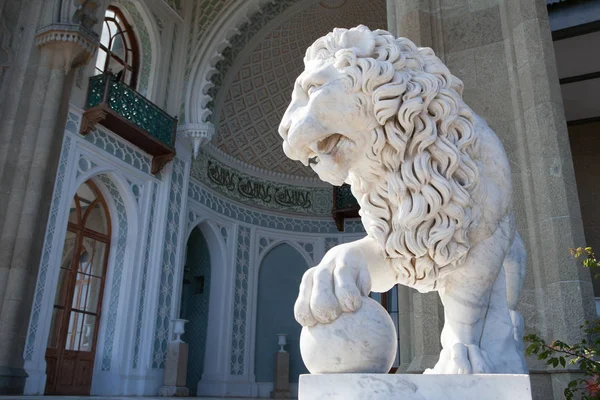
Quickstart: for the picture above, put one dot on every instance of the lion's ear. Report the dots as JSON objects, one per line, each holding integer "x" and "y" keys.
{"x": 360, "y": 39}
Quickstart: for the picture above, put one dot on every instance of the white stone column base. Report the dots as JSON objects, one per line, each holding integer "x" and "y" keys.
{"x": 414, "y": 387}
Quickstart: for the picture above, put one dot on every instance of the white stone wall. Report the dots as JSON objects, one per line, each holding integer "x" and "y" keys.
{"x": 146, "y": 245}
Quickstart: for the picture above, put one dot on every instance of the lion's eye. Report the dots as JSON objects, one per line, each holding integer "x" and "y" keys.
{"x": 311, "y": 89}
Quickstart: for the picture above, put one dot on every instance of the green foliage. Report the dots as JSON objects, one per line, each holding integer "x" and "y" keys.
{"x": 584, "y": 355}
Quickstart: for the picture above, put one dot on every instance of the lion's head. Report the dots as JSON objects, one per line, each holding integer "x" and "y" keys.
{"x": 388, "y": 118}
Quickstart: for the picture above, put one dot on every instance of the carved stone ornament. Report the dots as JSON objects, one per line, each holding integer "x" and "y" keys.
{"x": 434, "y": 186}
{"x": 85, "y": 13}
{"x": 90, "y": 120}
{"x": 74, "y": 42}
{"x": 198, "y": 133}
{"x": 158, "y": 162}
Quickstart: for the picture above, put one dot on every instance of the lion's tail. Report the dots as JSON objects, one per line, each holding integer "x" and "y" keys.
{"x": 514, "y": 269}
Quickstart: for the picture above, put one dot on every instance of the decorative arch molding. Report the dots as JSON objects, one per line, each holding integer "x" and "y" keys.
{"x": 303, "y": 246}
{"x": 310, "y": 237}
{"x": 124, "y": 220}
{"x": 208, "y": 52}
{"x": 222, "y": 45}
{"x": 299, "y": 245}
{"x": 131, "y": 192}
{"x": 123, "y": 209}
{"x": 217, "y": 338}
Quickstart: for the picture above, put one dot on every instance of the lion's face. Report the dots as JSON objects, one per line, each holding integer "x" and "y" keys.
{"x": 326, "y": 126}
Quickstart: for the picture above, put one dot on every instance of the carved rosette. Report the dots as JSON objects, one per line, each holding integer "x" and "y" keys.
{"x": 75, "y": 44}
{"x": 198, "y": 133}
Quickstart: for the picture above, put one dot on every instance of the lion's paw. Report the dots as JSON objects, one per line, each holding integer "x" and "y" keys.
{"x": 461, "y": 359}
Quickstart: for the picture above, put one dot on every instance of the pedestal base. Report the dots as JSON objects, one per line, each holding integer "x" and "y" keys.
{"x": 174, "y": 391}
{"x": 414, "y": 387}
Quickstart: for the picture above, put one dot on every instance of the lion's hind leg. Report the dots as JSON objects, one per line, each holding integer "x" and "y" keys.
{"x": 514, "y": 267}
{"x": 502, "y": 338}
{"x": 466, "y": 295}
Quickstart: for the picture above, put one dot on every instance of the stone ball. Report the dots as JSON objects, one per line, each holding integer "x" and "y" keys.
{"x": 363, "y": 341}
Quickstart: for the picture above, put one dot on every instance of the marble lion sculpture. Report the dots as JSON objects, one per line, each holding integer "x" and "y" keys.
{"x": 434, "y": 186}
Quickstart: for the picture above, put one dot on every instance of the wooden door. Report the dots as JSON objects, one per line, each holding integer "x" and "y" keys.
{"x": 77, "y": 305}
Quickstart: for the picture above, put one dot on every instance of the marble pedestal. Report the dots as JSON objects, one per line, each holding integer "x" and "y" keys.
{"x": 281, "y": 381}
{"x": 175, "y": 371}
{"x": 413, "y": 387}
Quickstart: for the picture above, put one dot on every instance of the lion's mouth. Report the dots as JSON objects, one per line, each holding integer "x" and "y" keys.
{"x": 326, "y": 146}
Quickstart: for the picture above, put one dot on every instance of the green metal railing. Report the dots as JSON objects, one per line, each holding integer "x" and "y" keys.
{"x": 132, "y": 106}
{"x": 344, "y": 198}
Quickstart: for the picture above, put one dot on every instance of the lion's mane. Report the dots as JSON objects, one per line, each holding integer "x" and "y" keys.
{"x": 416, "y": 198}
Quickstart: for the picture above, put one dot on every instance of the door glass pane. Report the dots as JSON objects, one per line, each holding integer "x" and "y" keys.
{"x": 61, "y": 289}
{"x": 101, "y": 60}
{"x": 115, "y": 66}
{"x": 55, "y": 325}
{"x": 118, "y": 47}
{"x": 127, "y": 78}
{"x": 65, "y": 265}
{"x": 87, "y": 336}
{"x": 96, "y": 219}
{"x": 86, "y": 196}
{"x": 97, "y": 259}
{"x": 93, "y": 293}
{"x": 113, "y": 28}
{"x": 74, "y": 331}
{"x": 105, "y": 35}
{"x": 81, "y": 292}
{"x": 73, "y": 217}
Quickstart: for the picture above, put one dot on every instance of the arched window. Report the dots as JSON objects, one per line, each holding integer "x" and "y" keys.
{"x": 118, "y": 51}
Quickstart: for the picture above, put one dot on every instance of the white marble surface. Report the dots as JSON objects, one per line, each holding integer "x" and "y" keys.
{"x": 414, "y": 387}
{"x": 434, "y": 186}
{"x": 362, "y": 341}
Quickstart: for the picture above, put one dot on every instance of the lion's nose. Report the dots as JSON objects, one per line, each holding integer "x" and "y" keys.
{"x": 284, "y": 127}
{"x": 294, "y": 154}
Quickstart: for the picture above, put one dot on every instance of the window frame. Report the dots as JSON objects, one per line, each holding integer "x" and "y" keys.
{"x": 124, "y": 29}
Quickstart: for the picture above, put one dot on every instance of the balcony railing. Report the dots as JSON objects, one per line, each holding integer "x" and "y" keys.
{"x": 127, "y": 113}
{"x": 344, "y": 205}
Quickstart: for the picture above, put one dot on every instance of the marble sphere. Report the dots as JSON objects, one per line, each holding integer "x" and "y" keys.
{"x": 363, "y": 341}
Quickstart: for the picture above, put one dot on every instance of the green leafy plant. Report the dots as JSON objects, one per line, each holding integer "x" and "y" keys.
{"x": 584, "y": 355}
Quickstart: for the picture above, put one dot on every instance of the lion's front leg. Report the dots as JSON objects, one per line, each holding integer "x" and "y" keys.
{"x": 465, "y": 295}
{"x": 347, "y": 272}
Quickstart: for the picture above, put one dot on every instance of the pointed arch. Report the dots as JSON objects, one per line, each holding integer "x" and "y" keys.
{"x": 220, "y": 285}
{"x": 279, "y": 275}
{"x": 307, "y": 257}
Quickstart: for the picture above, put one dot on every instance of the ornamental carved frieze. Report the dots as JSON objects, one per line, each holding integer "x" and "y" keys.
{"x": 268, "y": 193}
{"x": 75, "y": 44}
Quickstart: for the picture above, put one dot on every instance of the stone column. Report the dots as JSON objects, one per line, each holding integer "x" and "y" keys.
{"x": 427, "y": 322}
{"x": 503, "y": 52}
{"x": 27, "y": 183}
{"x": 405, "y": 347}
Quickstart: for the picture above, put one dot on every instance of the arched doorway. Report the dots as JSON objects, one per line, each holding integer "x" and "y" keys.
{"x": 195, "y": 299}
{"x": 77, "y": 305}
{"x": 279, "y": 277}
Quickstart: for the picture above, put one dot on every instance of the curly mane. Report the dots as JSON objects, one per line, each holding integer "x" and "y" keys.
{"x": 415, "y": 199}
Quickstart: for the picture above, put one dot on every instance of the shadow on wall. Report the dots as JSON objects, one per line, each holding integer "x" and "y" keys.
{"x": 194, "y": 305}
{"x": 279, "y": 278}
